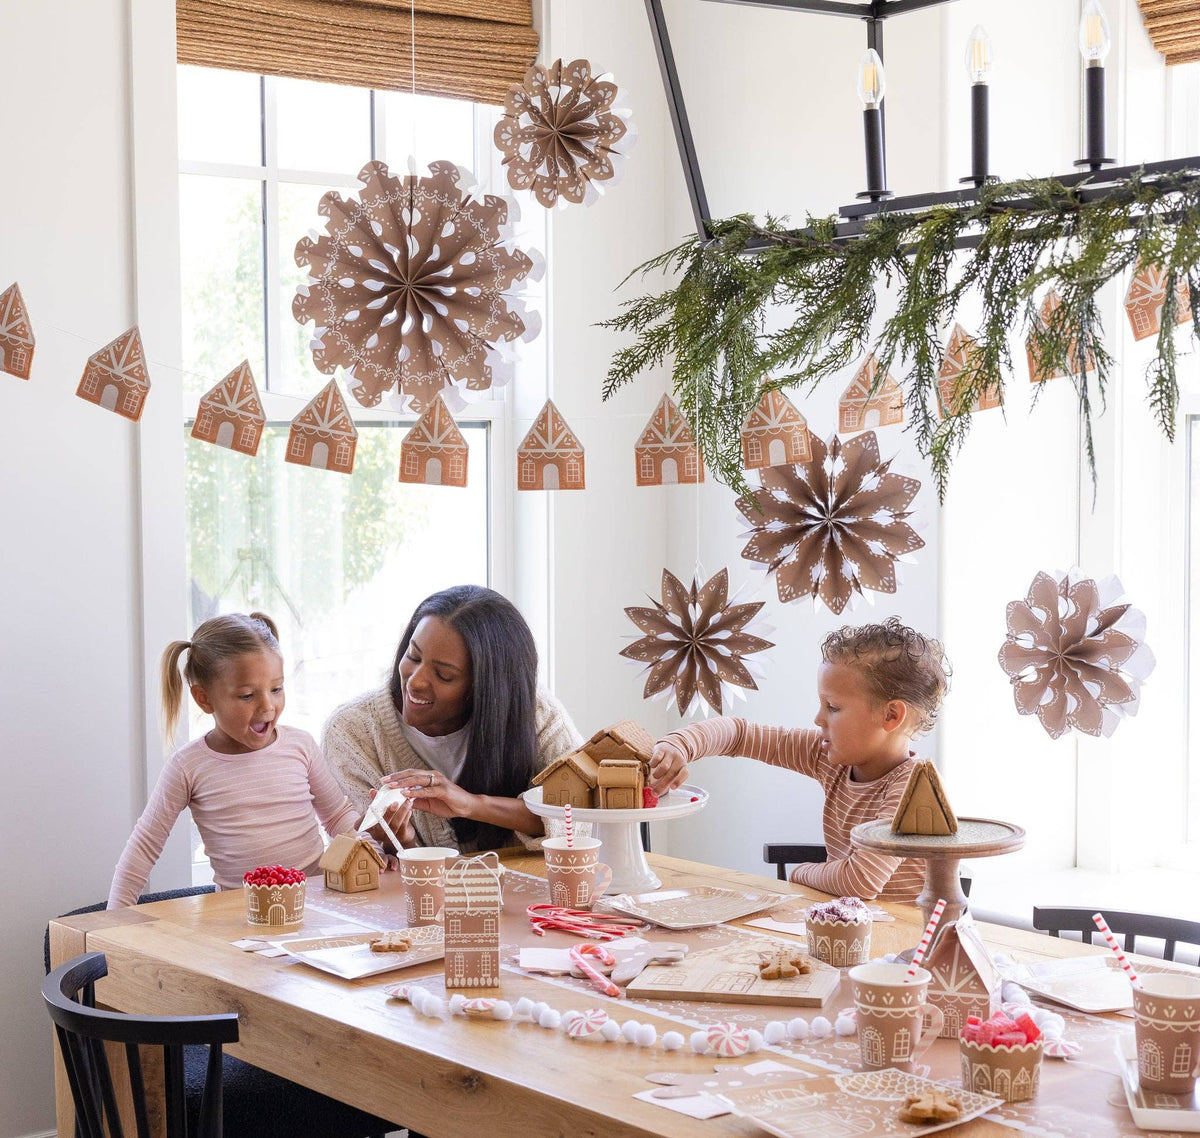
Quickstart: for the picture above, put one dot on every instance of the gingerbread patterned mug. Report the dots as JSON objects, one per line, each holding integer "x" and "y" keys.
{"x": 574, "y": 873}
{"x": 1166, "y": 1019}
{"x": 895, "y": 1024}
{"x": 423, "y": 875}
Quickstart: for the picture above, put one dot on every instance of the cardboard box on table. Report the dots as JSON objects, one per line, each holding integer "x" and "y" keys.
{"x": 472, "y": 916}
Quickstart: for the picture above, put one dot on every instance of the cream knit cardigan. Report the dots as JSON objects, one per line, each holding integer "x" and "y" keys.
{"x": 363, "y": 741}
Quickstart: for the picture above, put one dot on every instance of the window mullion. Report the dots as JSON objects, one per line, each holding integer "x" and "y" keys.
{"x": 272, "y": 331}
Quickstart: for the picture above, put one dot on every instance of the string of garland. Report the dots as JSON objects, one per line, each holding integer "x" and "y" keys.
{"x": 719, "y": 325}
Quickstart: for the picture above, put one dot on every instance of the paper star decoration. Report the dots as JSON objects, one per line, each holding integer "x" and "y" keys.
{"x": 834, "y": 526}
{"x": 1075, "y": 655}
{"x": 694, "y": 643}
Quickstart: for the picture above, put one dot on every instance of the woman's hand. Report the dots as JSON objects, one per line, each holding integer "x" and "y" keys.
{"x": 398, "y": 816}
{"x": 434, "y": 793}
{"x": 668, "y": 766}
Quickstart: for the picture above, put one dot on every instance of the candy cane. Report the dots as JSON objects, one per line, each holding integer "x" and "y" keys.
{"x": 579, "y": 954}
{"x": 926, "y": 937}
{"x": 580, "y": 922}
{"x": 1102, "y": 925}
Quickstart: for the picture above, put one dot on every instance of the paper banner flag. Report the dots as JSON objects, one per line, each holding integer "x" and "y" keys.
{"x": 1075, "y": 655}
{"x": 116, "y": 377}
{"x": 16, "y": 333}
{"x": 774, "y": 433}
{"x": 563, "y": 132}
{"x": 958, "y": 359}
{"x": 550, "y": 457}
{"x": 231, "y": 414}
{"x": 1038, "y": 373}
{"x": 323, "y": 435}
{"x": 1145, "y": 296}
{"x": 415, "y": 287}
{"x": 434, "y": 450}
{"x": 666, "y": 453}
{"x": 859, "y": 409}
{"x": 832, "y": 527}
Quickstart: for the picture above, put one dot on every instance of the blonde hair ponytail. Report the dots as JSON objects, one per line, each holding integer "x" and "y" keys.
{"x": 172, "y": 688}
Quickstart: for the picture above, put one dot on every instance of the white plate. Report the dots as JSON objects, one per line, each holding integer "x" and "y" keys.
{"x": 351, "y": 958}
{"x": 1091, "y": 984}
{"x": 1152, "y": 1111}
{"x": 677, "y": 803}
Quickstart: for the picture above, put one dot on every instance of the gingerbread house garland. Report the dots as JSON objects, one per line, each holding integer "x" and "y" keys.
{"x": 231, "y": 414}
{"x": 16, "y": 333}
{"x": 666, "y": 452}
{"x": 861, "y": 409}
{"x": 958, "y": 359}
{"x": 472, "y": 921}
{"x": 964, "y": 979}
{"x": 1145, "y": 297}
{"x": 116, "y": 377}
{"x": 1039, "y": 373}
{"x": 550, "y": 456}
{"x": 434, "y": 451}
{"x": 351, "y": 864}
{"x": 323, "y": 435}
{"x": 774, "y": 433}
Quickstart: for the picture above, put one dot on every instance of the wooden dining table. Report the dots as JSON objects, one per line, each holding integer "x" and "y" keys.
{"x": 454, "y": 1075}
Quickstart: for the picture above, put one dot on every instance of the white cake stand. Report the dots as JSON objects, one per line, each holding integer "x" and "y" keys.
{"x": 622, "y": 849}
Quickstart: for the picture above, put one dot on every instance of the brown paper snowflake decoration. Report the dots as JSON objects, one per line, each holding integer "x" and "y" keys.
{"x": 1075, "y": 655}
{"x": 694, "y": 643}
{"x": 564, "y": 132}
{"x": 832, "y": 527}
{"x": 414, "y": 287}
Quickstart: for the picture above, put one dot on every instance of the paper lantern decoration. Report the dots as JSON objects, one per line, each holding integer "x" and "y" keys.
{"x": 564, "y": 132}
{"x": 1145, "y": 296}
{"x": 959, "y": 358}
{"x": 550, "y": 457}
{"x": 774, "y": 433}
{"x": 231, "y": 414}
{"x": 323, "y": 435}
{"x": 666, "y": 453}
{"x": 1039, "y": 373}
{"x": 415, "y": 287}
{"x": 116, "y": 377}
{"x": 1075, "y": 655}
{"x": 16, "y": 333}
{"x": 859, "y": 408}
{"x": 434, "y": 450}
{"x": 694, "y": 643}
{"x": 832, "y": 527}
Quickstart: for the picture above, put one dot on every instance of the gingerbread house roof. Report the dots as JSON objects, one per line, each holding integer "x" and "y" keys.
{"x": 667, "y": 428}
{"x": 1038, "y": 371}
{"x": 436, "y": 428}
{"x": 327, "y": 414}
{"x": 1148, "y": 291}
{"x": 958, "y": 956}
{"x": 123, "y": 360}
{"x": 631, "y": 735}
{"x": 15, "y": 325}
{"x": 620, "y": 772}
{"x": 773, "y": 412}
{"x": 923, "y": 792}
{"x": 858, "y": 392}
{"x": 236, "y": 396}
{"x": 579, "y": 761}
{"x": 549, "y": 437}
{"x": 343, "y": 850}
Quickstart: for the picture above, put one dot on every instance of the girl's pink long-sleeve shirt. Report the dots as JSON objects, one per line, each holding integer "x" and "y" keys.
{"x": 255, "y": 809}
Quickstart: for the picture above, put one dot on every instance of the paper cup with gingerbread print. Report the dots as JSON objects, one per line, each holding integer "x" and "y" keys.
{"x": 1166, "y": 1019}
{"x": 1010, "y": 1073}
{"x": 423, "y": 875}
{"x": 575, "y": 875}
{"x": 895, "y": 1024}
{"x": 840, "y": 943}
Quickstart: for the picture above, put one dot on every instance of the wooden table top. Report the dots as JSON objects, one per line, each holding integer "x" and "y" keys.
{"x": 455, "y": 1076}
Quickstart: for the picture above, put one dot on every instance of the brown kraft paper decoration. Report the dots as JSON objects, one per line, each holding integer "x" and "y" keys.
{"x": 550, "y": 456}
{"x": 666, "y": 452}
{"x": 434, "y": 450}
{"x": 1166, "y": 1012}
{"x": 1010, "y": 1073}
{"x": 231, "y": 414}
{"x": 964, "y": 979}
{"x": 774, "y": 433}
{"x": 472, "y": 912}
{"x": 16, "y": 333}
{"x": 958, "y": 363}
{"x": 832, "y": 527}
{"x": 1145, "y": 297}
{"x": 869, "y": 401}
{"x": 323, "y": 435}
{"x": 116, "y": 377}
{"x": 1039, "y": 372}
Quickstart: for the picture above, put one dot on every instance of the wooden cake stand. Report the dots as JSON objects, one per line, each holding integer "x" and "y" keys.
{"x": 976, "y": 837}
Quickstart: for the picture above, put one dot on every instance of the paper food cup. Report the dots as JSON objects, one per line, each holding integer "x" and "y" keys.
{"x": 575, "y": 876}
{"x": 274, "y": 905}
{"x": 895, "y": 1024}
{"x": 1012, "y": 1073}
{"x": 840, "y": 943}
{"x": 1166, "y": 1018}
{"x": 423, "y": 875}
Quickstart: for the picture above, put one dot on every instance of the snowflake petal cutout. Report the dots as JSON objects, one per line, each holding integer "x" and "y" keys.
{"x": 415, "y": 286}
{"x": 834, "y": 526}
{"x": 1075, "y": 655}
{"x": 564, "y": 132}
{"x": 694, "y": 643}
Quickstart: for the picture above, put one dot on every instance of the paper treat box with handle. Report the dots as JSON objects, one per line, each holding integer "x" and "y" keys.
{"x": 472, "y": 915}
{"x": 965, "y": 981}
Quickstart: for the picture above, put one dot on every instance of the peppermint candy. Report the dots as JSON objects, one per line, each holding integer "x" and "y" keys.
{"x": 583, "y": 1025}
{"x": 1061, "y": 1048}
{"x": 727, "y": 1039}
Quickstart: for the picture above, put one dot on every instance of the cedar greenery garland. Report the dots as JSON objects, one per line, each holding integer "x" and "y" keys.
{"x": 1028, "y": 235}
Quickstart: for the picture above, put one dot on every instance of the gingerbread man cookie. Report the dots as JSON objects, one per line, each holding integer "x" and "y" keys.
{"x": 392, "y": 942}
{"x": 934, "y": 1105}
{"x": 784, "y": 964}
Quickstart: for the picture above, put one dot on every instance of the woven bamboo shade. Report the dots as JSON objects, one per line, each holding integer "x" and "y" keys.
{"x": 466, "y": 49}
{"x": 1174, "y": 27}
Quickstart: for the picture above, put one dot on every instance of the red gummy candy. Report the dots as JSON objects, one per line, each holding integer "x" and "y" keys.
{"x": 975, "y": 1020}
{"x": 1031, "y": 1030}
{"x": 649, "y": 798}
{"x": 1010, "y": 1039}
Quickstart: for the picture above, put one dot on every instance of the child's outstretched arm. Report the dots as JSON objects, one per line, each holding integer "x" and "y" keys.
{"x": 863, "y": 873}
{"x": 789, "y": 747}
{"x": 145, "y": 845}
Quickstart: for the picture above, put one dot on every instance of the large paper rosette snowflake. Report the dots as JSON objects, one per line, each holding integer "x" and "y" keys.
{"x": 833, "y": 526}
{"x": 414, "y": 287}
{"x": 694, "y": 643}
{"x": 1075, "y": 655}
{"x": 563, "y": 132}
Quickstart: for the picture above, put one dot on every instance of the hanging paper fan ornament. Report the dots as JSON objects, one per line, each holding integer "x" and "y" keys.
{"x": 1076, "y": 656}
{"x": 415, "y": 287}
{"x": 694, "y": 643}
{"x": 564, "y": 132}
{"x": 834, "y": 526}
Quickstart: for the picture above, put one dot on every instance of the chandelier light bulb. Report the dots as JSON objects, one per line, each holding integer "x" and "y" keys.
{"x": 1095, "y": 40}
{"x": 979, "y": 55}
{"x": 871, "y": 82}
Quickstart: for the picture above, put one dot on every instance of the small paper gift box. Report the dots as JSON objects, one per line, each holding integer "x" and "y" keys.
{"x": 275, "y": 905}
{"x": 472, "y": 917}
{"x": 1012, "y": 1073}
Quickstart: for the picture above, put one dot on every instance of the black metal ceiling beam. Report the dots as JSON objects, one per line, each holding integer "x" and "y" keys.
{"x": 864, "y": 10}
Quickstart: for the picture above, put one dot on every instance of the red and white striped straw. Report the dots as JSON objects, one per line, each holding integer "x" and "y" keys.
{"x": 570, "y": 826}
{"x": 926, "y": 937}
{"x": 1102, "y": 925}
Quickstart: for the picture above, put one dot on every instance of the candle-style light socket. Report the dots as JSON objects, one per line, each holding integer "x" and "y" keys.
{"x": 1095, "y": 126}
{"x": 979, "y": 135}
{"x": 873, "y": 141}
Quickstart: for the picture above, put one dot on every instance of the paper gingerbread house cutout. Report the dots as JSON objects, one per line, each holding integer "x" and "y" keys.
{"x": 1038, "y": 373}
{"x": 570, "y": 779}
{"x": 550, "y": 457}
{"x": 859, "y": 410}
{"x": 434, "y": 451}
{"x": 1145, "y": 296}
{"x": 619, "y": 785}
{"x": 923, "y": 808}
{"x": 774, "y": 433}
{"x": 231, "y": 414}
{"x": 16, "y": 333}
{"x": 116, "y": 377}
{"x": 956, "y": 361}
{"x": 351, "y": 865}
{"x": 964, "y": 979}
{"x": 323, "y": 435}
{"x": 472, "y": 919}
{"x": 666, "y": 453}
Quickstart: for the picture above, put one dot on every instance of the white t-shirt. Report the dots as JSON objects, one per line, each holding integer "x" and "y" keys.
{"x": 446, "y": 754}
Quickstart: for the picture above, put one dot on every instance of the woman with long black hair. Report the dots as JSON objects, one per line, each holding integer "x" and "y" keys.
{"x": 461, "y": 726}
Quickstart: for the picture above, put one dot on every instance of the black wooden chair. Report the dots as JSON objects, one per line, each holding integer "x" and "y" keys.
{"x": 1126, "y": 926}
{"x": 781, "y": 856}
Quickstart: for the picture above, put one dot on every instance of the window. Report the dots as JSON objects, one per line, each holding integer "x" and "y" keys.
{"x": 342, "y": 455}
{"x": 411, "y": 465}
{"x": 690, "y": 464}
{"x": 249, "y": 434}
{"x": 646, "y": 466}
{"x": 132, "y": 398}
{"x": 89, "y": 384}
{"x": 528, "y": 476}
{"x": 573, "y": 474}
{"x": 754, "y": 450}
{"x": 205, "y": 422}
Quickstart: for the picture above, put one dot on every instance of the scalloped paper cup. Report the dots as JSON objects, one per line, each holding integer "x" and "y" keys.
{"x": 1012, "y": 1073}
{"x": 840, "y": 943}
{"x": 274, "y": 905}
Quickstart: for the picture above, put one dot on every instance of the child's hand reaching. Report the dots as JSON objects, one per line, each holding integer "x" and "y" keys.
{"x": 668, "y": 766}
